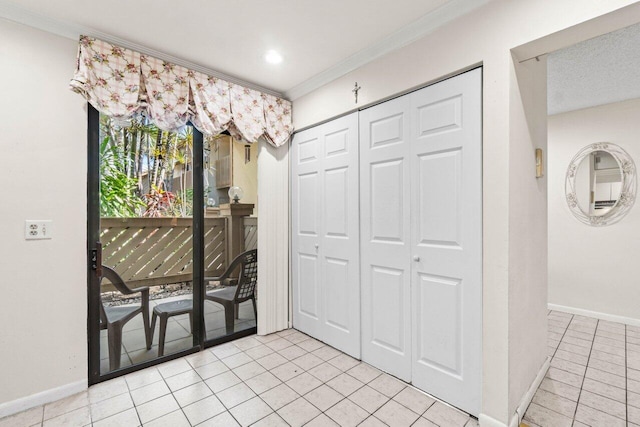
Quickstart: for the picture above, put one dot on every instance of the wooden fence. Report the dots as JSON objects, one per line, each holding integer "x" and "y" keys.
{"x": 250, "y": 233}
{"x": 158, "y": 251}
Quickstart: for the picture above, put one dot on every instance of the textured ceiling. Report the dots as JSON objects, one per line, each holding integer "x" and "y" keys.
{"x": 599, "y": 71}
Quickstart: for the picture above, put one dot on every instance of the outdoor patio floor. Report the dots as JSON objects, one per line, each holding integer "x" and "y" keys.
{"x": 178, "y": 335}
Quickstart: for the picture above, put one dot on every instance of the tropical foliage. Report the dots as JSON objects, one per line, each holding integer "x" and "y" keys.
{"x": 145, "y": 171}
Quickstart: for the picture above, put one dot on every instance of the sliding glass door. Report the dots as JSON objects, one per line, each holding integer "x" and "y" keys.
{"x": 160, "y": 236}
{"x": 145, "y": 245}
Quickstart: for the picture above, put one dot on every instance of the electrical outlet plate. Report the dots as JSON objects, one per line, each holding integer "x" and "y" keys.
{"x": 38, "y": 229}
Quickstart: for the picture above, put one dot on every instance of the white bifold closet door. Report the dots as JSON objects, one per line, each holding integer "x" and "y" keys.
{"x": 421, "y": 238}
{"x": 325, "y": 233}
{"x": 385, "y": 201}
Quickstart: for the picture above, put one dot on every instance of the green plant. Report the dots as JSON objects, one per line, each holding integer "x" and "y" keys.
{"x": 117, "y": 190}
{"x": 140, "y": 165}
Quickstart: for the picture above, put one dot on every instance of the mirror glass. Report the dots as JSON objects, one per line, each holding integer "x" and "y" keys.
{"x": 598, "y": 183}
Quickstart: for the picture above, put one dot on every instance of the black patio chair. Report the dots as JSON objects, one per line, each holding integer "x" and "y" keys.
{"x": 114, "y": 318}
{"x": 231, "y": 296}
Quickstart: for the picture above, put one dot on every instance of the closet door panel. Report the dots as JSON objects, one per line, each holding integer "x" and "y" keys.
{"x": 388, "y": 293}
{"x": 386, "y": 207}
{"x": 308, "y": 296}
{"x": 340, "y": 236}
{"x": 385, "y": 237}
{"x": 439, "y": 198}
{"x": 446, "y": 160}
{"x": 325, "y": 233}
{"x": 336, "y": 203}
{"x": 306, "y": 191}
{"x": 442, "y": 297}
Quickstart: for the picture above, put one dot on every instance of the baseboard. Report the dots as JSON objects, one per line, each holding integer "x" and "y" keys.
{"x": 487, "y": 421}
{"x": 598, "y": 315}
{"x": 41, "y": 398}
{"x": 528, "y": 396}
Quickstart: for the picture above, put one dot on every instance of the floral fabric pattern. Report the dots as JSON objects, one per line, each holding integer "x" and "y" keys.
{"x": 277, "y": 113}
{"x": 121, "y": 83}
{"x": 247, "y": 108}
{"x": 108, "y": 77}
{"x": 210, "y": 103}
{"x": 167, "y": 92}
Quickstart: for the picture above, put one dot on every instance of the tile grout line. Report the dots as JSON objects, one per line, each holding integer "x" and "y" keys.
{"x": 268, "y": 370}
{"x": 585, "y": 373}
{"x": 607, "y": 397}
{"x": 552, "y": 357}
{"x": 228, "y": 410}
{"x": 174, "y": 398}
{"x": 561, "y": 338}
{"x": 164, "y": 379}
{"x": 247, "y": 385}
{"x": 344, "y": 397}
{"x": 364, "y": 384}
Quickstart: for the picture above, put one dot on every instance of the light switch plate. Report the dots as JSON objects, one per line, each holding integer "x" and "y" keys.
{"x": 38, "y": 229}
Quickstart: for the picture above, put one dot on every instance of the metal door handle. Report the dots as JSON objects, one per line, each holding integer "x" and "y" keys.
{"x": 96, "y": 259}
{"x": 316, "y": 245}
{"x": 416, "y": 258}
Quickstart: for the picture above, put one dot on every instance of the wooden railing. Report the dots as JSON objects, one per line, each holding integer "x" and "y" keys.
{"x": 250, "y": 225}
{"x": 159, "y": 251}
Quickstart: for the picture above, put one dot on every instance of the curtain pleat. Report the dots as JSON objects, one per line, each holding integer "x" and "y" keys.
{"x": 210, "y": 103}
{"x": 121, "y": 83}
{"x": 108, "y": 77}
{"x": 167, "y": 92}
{"x": 277, "y": 112}
{"x": 248, "y": 113}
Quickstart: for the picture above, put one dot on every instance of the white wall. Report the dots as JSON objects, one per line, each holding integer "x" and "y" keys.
{"x": 487, "y": 36}
{"x": 593, "y": 268}
{"x": 43, "y": 297}
{"x": 527, "y": 265}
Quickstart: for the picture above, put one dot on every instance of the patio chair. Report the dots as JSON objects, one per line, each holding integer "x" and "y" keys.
{"x": 114, "y": 318}
{"x": 231, "y": 296}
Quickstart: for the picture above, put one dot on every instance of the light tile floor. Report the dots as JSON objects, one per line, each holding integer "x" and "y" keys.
{"x": 594, "y": 378}
{"x": 283, "y": 379}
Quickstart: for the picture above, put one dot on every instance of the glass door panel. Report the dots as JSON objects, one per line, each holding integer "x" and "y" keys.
{"x": 161, "y": 232}
{"x": 146, "y": 230}
{"x": 230, "y": 229}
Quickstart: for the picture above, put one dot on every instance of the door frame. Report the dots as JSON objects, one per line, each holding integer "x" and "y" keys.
{"x": 93, "y": 236}
{"x": 358, "y": 109}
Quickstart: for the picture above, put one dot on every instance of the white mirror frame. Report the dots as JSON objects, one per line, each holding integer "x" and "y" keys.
{"x": 627, "y": 194}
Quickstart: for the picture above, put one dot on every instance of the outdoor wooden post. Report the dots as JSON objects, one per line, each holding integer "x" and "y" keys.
{"x": 235, "y": 213}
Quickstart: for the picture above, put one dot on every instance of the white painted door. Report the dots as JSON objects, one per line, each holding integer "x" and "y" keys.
{"x": 446, "y": 239}
{"x": 306, "y": 193}
{"x": 385, "y": 208}
{"x": 325, "y": 233}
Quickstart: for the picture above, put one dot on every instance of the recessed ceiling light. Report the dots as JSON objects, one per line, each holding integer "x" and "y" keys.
{"x": 273, "y": 57}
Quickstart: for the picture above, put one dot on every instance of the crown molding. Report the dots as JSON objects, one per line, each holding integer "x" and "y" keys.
{"x": 15, "y": 13}
{"x": 403, "y": 37}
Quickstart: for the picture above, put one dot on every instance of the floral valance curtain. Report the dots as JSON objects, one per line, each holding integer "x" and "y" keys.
{"x": 121, "y": 83}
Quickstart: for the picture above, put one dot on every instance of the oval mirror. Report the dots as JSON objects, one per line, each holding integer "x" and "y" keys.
{"x": 601, "y": 184}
